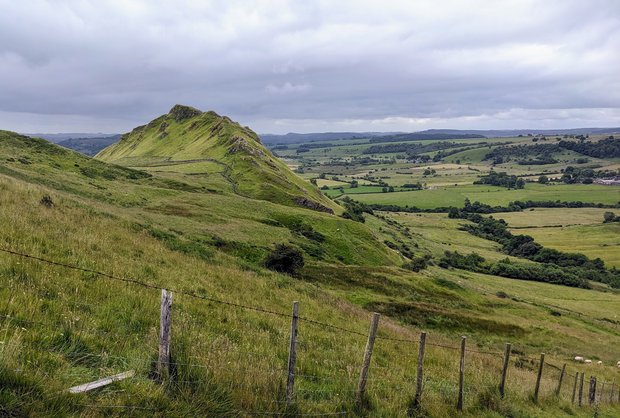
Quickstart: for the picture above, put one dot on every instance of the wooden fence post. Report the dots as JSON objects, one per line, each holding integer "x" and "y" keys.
{"x": 372, "y": 334}
{"x": 502, "y": 382}
{"x": 292, "y": 354}
{"x": 611, "y": 392}
{"x": 581, "y": 389}
{"x": 559, "y": 388}
{"x": 420, "y": 374}
{"x": 575, "y": 387}
{"x": 459, "y": 403}
{"x": 592, "y": 392}
{"x": 602, "y": 394}
{"x": 540, "y": 372}
{"x": 163, "y": 364}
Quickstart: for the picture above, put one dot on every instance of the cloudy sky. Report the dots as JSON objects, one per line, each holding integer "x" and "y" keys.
{"x": 307, "y": 66}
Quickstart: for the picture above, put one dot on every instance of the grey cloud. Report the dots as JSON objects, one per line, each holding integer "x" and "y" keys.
{"x": 295, "y": 65}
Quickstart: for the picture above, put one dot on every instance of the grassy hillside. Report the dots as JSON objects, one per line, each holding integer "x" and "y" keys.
{"x": 189, "y": 213}
{"x": 213, "y": 146}
{"x": 60, "y": 327}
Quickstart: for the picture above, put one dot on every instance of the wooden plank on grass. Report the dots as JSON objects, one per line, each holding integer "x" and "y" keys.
{"x": 101, "y": 382}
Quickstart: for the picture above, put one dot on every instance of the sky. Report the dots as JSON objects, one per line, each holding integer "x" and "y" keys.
{"x": 311, "y": 66}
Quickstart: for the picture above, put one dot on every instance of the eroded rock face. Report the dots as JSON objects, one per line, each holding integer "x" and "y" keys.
{"x": 239, "y": 144}
{"x": 180, "y": 112}
{"x": 311, "y": 204}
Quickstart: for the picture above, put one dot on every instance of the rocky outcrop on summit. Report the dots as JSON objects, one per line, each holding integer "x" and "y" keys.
{"x": 180, "y": 112}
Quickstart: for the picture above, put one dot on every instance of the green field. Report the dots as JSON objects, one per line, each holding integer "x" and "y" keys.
{"x": 495, "y": 196}
{"x": 597, "y": 240}
{"x": 551, "y": 217}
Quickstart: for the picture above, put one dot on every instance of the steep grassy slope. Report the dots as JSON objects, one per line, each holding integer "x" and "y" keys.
{"x": 176, "y": 210}
{"x": 62, "y": 327}
{"x": 188, "y": 136}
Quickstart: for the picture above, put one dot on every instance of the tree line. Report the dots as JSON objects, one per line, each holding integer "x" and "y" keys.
{"x": 524, "y": 246}
{"x": 501, "y": 179}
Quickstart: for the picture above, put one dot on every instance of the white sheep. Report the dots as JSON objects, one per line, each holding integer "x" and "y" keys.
{"x": 600, "y": 363}
{"x": 586, "y": 361}
{"x": 618, "y": 363}
{"x": 580, "y": 359}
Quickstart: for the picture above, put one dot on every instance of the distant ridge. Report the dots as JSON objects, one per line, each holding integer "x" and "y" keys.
{"x": 292, "y": 137}
{"x": 89, "y": 146}
{"x": 58, "y": 137}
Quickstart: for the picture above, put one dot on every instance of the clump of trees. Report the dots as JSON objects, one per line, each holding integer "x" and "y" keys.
{"x": 418, "y": 263}
{"x": 572, "y": 175}
{"x": 610, "y": 217}
{"x": 547, "y": 273}
{"x": 413, "y": 186}
{"x": 606, "y": 148}
{"x": 355, "y": 210}
{"x": 501, "y": 179}
{"x": 538, "y": 154}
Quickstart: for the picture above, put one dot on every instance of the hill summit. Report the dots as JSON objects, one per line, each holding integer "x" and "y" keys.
{"x": 186, "y": 137}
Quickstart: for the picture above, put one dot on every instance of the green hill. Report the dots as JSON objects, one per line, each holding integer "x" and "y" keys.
{"x": 194, "y": 142}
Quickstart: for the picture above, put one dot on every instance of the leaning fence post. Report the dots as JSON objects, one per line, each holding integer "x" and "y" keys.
{"x": 292, "y": 354}
{"x": 459, "y": 404}
{"x": 592, "y": 393}
{"x": 540, "y": 372}
{"x": 559, "y": 388}
{"x": 575, "y": 387}
{"x": 581, "y": 389}
{"x": 420, "y": 374}
{"x": 163, "y": 364}
{"x": 502, "y": 382}
{"x": 372, "y": 334}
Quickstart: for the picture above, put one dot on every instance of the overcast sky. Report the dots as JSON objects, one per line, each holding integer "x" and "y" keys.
{"x": 307, "y": 66}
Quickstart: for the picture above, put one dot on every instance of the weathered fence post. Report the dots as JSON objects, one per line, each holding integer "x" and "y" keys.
{"x": 540, "y": 372}
{"x": 559, "y": 388}
{"x": 502, "y": 382}
{"x": 163, "y": 363}
{"x": 581, "y": 389}
{"x": 575, "y": 387}
{"x": 611, "y": 392}
{"x": 602, "y": 394}
{"x": 592, "y": 392}
{"x": 292, "y": 354}
{"x": 372, "y": 334}
{"x": 420, "y": 374}
{"x": 459, "y": 403}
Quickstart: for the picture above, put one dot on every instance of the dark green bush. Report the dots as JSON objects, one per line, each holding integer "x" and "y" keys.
{"x": 285, "y": 259}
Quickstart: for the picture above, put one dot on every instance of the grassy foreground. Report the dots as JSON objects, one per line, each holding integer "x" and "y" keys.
{"x": 61, "y": 327}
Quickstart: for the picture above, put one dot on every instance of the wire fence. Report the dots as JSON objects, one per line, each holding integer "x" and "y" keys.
{"x": 339, "y": 388}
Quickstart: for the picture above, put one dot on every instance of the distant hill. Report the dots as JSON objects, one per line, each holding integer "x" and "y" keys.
{"x": 291, "y": 138}
{"x": 516, "y": 132}
{"x": 187, "y": 136}
{"x": 417, "y": 136}
{"x": 89, "y": 146}
{"x": 59, "y": 137}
